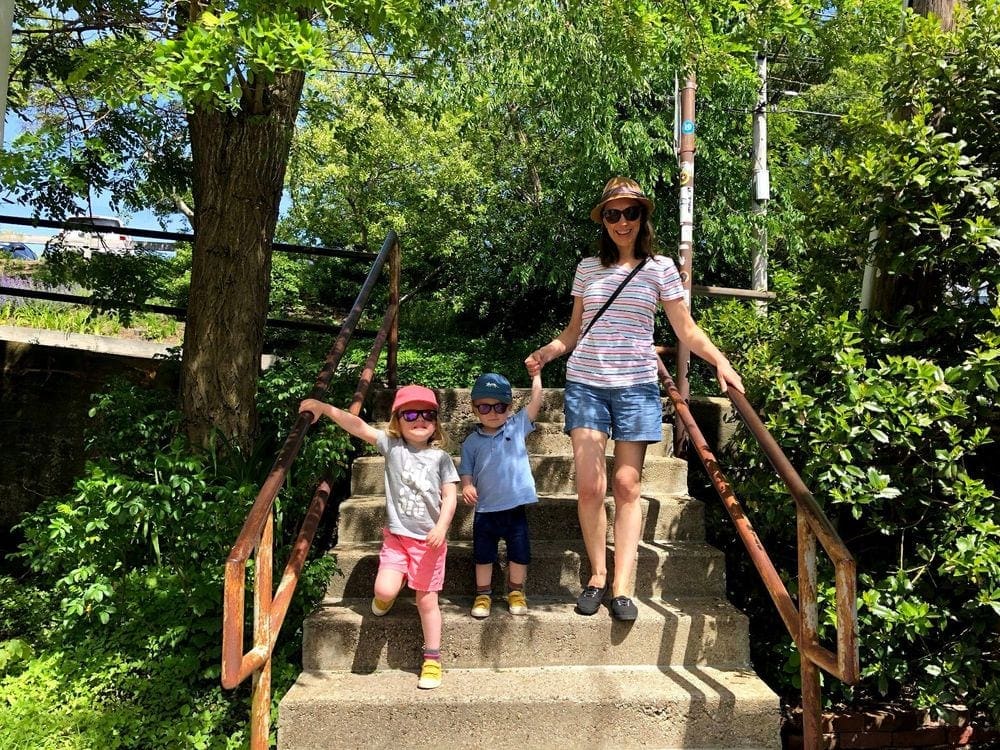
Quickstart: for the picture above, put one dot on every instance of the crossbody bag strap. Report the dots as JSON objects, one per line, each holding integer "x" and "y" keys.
{"x": 614, "y": 294}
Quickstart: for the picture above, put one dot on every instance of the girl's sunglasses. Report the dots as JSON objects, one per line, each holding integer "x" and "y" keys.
{"x": 487, "y": 408}
{"x": 412, "y": 415}
{"x": 612, "y": 215}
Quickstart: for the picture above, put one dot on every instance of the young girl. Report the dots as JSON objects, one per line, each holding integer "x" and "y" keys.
{"x": 420, "y": 498}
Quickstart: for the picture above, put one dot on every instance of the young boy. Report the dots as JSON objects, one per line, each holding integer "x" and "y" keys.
{"x": 496, "y": 478}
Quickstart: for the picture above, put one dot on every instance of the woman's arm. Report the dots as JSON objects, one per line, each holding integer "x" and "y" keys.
{"x": 698, "y": 341}
{"x": 561, "y": 344}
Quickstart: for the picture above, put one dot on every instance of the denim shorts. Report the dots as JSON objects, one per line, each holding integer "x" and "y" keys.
{"x": 511, "y": 526}
{"x": 630, "y": 414}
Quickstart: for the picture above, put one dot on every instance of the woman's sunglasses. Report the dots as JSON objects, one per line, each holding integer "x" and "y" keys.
{"x": 487, "y": 408}
{"x": 612, "y": 215}
{"x": 412, "y": 415}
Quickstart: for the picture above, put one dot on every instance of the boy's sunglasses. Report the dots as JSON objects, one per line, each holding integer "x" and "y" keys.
{"x": 412, "y": 415}
{"x": 612, "y": 215}
{"x": 498, "y": 408}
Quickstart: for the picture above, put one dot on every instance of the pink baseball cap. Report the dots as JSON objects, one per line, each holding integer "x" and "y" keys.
{"x": 414, "y": 394}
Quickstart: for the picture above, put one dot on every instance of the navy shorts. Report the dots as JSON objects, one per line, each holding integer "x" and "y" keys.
{"x": 510, "y": 525}
{"x": 630, "y": 414}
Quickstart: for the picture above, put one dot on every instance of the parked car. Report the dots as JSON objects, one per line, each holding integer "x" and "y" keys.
{"x": 77, "y": 237}
{"x": 17, "y": 250}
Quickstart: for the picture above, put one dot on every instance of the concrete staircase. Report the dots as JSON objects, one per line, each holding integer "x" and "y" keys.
{"x": 678, "y": 677}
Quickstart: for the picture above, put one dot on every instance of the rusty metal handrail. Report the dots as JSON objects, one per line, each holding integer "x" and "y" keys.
{"x": 811, "y": 524}
{"x": 258, "y": 529}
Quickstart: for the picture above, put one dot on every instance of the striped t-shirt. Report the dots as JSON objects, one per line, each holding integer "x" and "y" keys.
{"x": 618, "y": 350}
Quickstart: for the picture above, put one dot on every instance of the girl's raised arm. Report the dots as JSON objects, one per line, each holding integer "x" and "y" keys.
{"x": 343, "y": 419}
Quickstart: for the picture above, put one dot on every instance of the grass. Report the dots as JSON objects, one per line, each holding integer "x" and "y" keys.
{"x": 71, "y": 318}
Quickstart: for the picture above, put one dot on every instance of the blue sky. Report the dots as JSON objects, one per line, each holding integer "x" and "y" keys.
{"x": 141, "y": 220}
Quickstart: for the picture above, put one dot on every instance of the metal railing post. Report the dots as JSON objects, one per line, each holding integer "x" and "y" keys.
{"x": 260, "y": 709}
{"x": 390, "y": 355}
{"x": 812, "y": 702}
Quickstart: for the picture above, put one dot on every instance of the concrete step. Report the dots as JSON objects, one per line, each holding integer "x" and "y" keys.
{"x": 547, "y": 438}
{"x": 711, "y": 412}
{"x": 554, "y": 475}
{"x": 667, "y": 517}
{"x": 345, "y": 635}
{"x": 531, "y": 708}
{"x": 559, "y": 569}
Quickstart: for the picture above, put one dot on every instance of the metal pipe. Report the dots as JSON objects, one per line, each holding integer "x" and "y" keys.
{"x": 818, "y": 521}
{"x": 390, "y": 357}
{"x": 276, "y": 477}
{"x": 765, "y": 568}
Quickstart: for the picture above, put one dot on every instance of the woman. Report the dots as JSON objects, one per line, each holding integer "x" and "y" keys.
{"x": 612, "y": 386}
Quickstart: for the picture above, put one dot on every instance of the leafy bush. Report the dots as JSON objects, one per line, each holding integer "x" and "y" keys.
{"x": 891, "y": 419}
{"x": 116, "y": 282}
{"x": 113, "y": 641}
{"x": 898, "y": 450}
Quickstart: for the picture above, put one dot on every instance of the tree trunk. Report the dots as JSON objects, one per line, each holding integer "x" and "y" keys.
{"x": 239, "y": 171}
{"x": 943, "y": 9}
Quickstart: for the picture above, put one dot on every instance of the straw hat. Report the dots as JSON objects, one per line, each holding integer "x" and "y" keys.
{"x": 621, "y": 187}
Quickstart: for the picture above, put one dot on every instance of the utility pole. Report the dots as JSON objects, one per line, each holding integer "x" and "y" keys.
{"x": 6, "y": 32}
{"x": 761, "y": 185}
{"x": 685, "y": 158}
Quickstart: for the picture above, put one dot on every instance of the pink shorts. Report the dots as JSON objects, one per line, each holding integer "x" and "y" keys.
{"x": 422, "y": 566}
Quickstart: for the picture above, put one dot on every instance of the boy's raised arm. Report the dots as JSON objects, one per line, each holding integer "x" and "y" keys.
{"x": 343, "y": 419}
{"x": 535, "y": 402}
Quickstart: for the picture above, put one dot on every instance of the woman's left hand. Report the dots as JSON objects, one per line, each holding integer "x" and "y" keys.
{"x": 727, "y": 377}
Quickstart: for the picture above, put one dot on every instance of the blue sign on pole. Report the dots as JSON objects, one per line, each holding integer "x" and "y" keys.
{"x": 687, "y": 127}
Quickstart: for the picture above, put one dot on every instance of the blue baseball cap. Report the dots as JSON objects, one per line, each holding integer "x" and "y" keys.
{"x": 492, "y": 385}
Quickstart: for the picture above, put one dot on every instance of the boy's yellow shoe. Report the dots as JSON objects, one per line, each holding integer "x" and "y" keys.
{"x": 430, "y": 675}
{"x": 481, "y": 607}
{"x": 517, "y": 603}
{"x": 380, "y": 608}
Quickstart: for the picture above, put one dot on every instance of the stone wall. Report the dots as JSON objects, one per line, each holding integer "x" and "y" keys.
{"x": 45, "y": 394}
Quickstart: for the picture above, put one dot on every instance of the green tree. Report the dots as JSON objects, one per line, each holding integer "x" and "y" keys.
{"x": 546, "y": 101}
{"x": 236, "y": 71}
{"x": 892, "y": 421}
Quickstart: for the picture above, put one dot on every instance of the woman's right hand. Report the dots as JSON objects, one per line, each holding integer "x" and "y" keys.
{"x": 535, "y": 362}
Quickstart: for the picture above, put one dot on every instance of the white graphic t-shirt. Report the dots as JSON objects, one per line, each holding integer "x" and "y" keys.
{"x": 413, "y": 480}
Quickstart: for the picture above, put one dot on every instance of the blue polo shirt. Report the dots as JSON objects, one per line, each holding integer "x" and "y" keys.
{"x": 499, "y": 466}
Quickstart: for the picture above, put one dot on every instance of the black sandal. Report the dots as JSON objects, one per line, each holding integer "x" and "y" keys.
{"x": 590, "y": 600}
{"x": 624, "y": 609}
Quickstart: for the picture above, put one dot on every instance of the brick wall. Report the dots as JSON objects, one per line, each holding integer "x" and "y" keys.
{"x": 894, "y": 728}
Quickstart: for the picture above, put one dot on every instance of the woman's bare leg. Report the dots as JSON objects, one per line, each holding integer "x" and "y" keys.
{"x": 626, "y": 485}
{"x": 591, "y": 488}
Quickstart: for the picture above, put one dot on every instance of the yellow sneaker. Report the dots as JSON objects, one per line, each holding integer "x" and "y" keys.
{"x": 380, "y": 608}
{"x": 430, "y": 675}
{"x": 517, "y": 603}
{"x": 481, "y": 607}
